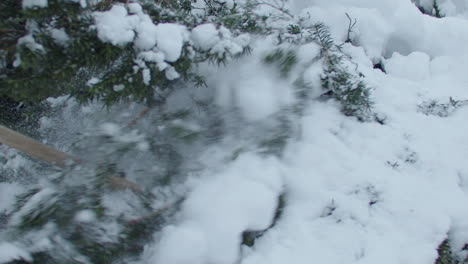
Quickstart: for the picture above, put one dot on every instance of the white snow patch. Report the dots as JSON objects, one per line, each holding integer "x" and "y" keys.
{"x": 116, "y": 26}
{"x": 60, "y": 36}
{"x": 170, "y": 39}
{"x": 308, "y": 52}
{"x": 146, "y": 33}
{"x": 17, "y": 62}
{"x": 34, "y": 3}
{"x": 10, "y": 252}
{"x": 85, "y": 216}
{"x": 189, "y": 240}
{"x": 219, "y": 209}
{"x": 205, "y": 36}
{"x": 135, "y": 8}
{"x": 257, "y": 91}
{"x": 118, "y": 87}
{"x": 8, "y": 193}
{"x": 171, "y": 73}
{"x": 415, "y": 66}
{"x": 93, "y": 81}
{"x": 110, "y": 129}
{"x": 146, "y": 74}
{"x": 34, "y": 201}
{"x": 31, "y": 43}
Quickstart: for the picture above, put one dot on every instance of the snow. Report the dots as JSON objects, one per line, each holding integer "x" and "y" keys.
{"x": 17, "y": 62}
{"x": 217, "y": 214}
{"x": 10, "y": 252}
{"x": 162, "y": 43}
{"x": 60, "y": 36}
{"x": 135, "y": 8}
{"x": 34, "y": 3}
{"x": 308, "y": 52}
{"x": 8, "y": 192}
{"x": 117, "y": 134}
{"x": 115, "y": 26}
{"x": 93, "y": 81}
{"x": 171, "y": 73}
{"x": 30, "y": 43}
{"x": 36, "y": 200}
{"x": 110, "y": 129}
{"x": 146, "y": 74}
{"x": 205, "y": 36}
{"x": 154, "y": 43}
{"x": 146, "y": 34}
{"x": 181, "y": 239}
{"x": 415, "y": 66}
{"x": 355, "y": 192}
{"x": 85, "y": 216}
{"x": 118, "y": 27}
{"x": 170, "y": 38}
{"x": 252, "y": 88}
{"x": 118, "y": 87}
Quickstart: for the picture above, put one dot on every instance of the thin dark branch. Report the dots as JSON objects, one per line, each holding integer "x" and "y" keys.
{"x": 351, "y": 25}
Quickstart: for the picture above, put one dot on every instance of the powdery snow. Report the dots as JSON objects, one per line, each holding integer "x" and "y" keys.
{"x": 205, "y": 36}
{"x": 170, "y": 39}
{"x": 8, "y": 192}
{"x": 146, "y": 34}
{"x": 415, "y": 66}
{"x": 60, "y": 36}
{"x": 354, "y": 192}
{"x": 220, "y": 209}
{"x": 247, "y": 85}
{"x": 30, "y": 43}
{"x": 10, "y": 252}
{"x": 35, "y": 3}
{"x": 116, "y": 26}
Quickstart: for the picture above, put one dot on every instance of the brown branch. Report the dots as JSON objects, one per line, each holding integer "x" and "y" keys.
{"x": 53, "y": 156}
{"x": 35, "y": 148}
{"x": 140, "y": 115}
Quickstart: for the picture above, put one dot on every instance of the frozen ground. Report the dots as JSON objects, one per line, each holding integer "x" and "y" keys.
{"x": 355, "y": 192}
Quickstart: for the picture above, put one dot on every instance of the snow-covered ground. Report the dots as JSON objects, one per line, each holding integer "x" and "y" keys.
{"x": 355, "y": 192}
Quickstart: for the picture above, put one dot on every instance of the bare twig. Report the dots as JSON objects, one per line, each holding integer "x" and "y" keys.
{"x": 351, "y": 25}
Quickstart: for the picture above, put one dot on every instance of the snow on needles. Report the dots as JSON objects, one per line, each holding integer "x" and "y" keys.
{"x": 34, "y": 3}
{"x": 163, "y": 42}
{"x": 355, "y": 192}
{"x": 116, "y": 26}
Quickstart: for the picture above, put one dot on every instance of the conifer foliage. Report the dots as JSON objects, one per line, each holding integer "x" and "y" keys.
{"x": 100, "y": 50}
{"x": 113, "y": 51}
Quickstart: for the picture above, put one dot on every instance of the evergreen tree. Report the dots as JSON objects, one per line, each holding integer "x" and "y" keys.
{"x": 61, "y": 49}
{"x": 109, "y": 51}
